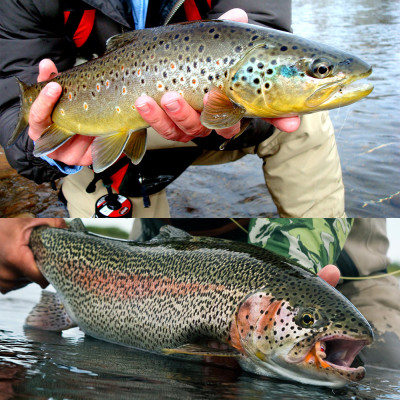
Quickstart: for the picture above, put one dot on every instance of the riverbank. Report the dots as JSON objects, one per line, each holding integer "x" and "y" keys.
{"x": 20, "y": 197}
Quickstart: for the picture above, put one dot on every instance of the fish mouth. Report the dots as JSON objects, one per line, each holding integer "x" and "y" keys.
{"x": 340, "y": 93}
{"x": 337, "y": 353}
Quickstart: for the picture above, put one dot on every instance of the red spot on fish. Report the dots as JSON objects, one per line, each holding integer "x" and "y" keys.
{"x": 122, "y": 67}
{"x": 194, "y": 81}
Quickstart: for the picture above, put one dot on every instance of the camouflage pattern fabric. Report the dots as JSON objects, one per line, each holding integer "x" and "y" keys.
{"x": 312, "y": 242}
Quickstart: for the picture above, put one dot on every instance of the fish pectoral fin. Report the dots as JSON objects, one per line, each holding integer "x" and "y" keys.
{"x": 51, "y": 139}
{"x": 49, "y": 314}
{"x": 220, "y": 111}
{"x": 204, "y": 351}
{"x": 107, "y": 149}
{"x": 136, "y": 146}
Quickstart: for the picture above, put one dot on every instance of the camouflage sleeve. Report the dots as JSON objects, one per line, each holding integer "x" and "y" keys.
{"x": 312, "y": 242}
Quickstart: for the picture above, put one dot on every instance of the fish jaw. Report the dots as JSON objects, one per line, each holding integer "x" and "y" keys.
{"x": 328, "y": 360}
{"x": 341, "y": 93}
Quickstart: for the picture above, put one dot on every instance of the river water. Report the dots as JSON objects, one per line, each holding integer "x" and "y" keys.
{"x": 46, "y": 365}
{"x": 367, "y": 132}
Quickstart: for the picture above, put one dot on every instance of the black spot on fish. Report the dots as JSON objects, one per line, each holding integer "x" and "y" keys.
{"x": 250, "y": 70}
{"x": 256, "y": 81}
{"x": 208, "y": 59}
{"x": 211, "y": 30}
{"x": 267, "y": 85}
{"x": 165, "y": 75}
{"x": 273, "y": 62}
{"x": 270, "y": 71}
{"x": 284, "y": 48}
{"x": 238, "y": 49}
{"x": 186, "y": 39}
{"x": 205, "y": 90}
{"x": 201, "y": 48}
{"x": 176, "y": 36}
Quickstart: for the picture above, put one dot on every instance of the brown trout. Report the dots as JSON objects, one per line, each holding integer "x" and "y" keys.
{"x": 247, "y": 70}
{"x": 177, "y": 293}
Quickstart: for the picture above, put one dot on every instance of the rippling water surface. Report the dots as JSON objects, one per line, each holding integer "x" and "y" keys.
{"x": 41, "y": 365}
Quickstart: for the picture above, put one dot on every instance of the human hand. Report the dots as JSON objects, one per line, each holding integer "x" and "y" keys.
{"x": 77, "y": 150}
{"x": 17, "y": 265}
{"x": 330, "y": 273}
{"x": 177, "y": 120}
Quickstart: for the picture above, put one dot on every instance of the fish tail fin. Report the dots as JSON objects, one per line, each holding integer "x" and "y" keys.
{"x": 49, "y": 314}
{"x": 23, "y": 118}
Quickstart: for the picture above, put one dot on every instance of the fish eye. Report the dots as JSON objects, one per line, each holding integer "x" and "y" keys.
{"x": 307, "y": 319}
{"x": 321, "y": 68}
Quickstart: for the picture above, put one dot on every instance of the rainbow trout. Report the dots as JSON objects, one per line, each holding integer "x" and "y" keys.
{"x": 247, "y": 70}
{"x": 177, "y": 293}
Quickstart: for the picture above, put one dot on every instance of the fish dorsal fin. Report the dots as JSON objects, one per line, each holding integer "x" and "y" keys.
{"x": 220, "y": 111}
{"x": 170, "y": 232}
{"x": 117, "y": 41}
{"x": 197, "y": 350}
{"x": 76, "y": 225}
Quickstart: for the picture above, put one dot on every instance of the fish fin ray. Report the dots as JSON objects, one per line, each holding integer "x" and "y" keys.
{"x": 107, "y": 149}
{"x": 49, "y": 314}
{"x": 204, "y": 351}
{"x": 220, "y": 111}
{"x": 51, "y": 139}
{"x": 76, "y": 225}
{"x": 135, "y": 147}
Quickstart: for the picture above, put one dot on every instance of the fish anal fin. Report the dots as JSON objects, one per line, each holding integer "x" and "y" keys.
{"x": 51, "y": 139}
{"x": 220, "y": 111}
{"x": 49, "y": 314}
{"x": 136, "y": 146}
{"x": 106, "y": 149}
{"x": 201, "y": 351}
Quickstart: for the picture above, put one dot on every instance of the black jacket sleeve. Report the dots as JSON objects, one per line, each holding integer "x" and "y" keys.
{"x": 275, "y": 14}
{"x": 30, "y": 30}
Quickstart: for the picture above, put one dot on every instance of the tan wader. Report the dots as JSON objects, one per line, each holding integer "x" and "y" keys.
{"x": 302, "y": 171}
{"x": 377, "y": 299}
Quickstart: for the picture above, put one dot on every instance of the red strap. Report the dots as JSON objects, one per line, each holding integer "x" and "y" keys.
{"x": 191, "y": 10}
{"x": 85, "y": 26}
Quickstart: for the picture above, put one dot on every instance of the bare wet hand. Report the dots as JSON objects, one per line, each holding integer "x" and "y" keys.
{"x": 77, "y": 150}
{"x": 17, "y": 265}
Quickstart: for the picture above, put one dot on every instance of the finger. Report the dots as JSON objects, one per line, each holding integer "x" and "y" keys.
{"x": 47, "y": 69}
{"x": 289, "y": 124}
{"x": 230, "y": 132}
{"x": 155, "y": 116}
{"x": 183, "y": 115}
{"x": 40, "y": 114}
{"x": 8, "y": 286}
{"x": 330, "y": 274}
{"x": 77, "y": 151}
{"x": 236, "y": 14}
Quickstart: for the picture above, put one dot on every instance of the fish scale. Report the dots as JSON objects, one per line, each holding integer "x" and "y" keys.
{"x": 178, "y": 292}
{"x": 246, "y": 70}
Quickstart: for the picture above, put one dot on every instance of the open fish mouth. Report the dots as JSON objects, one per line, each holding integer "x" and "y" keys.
{"x": 337, "y": 354}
